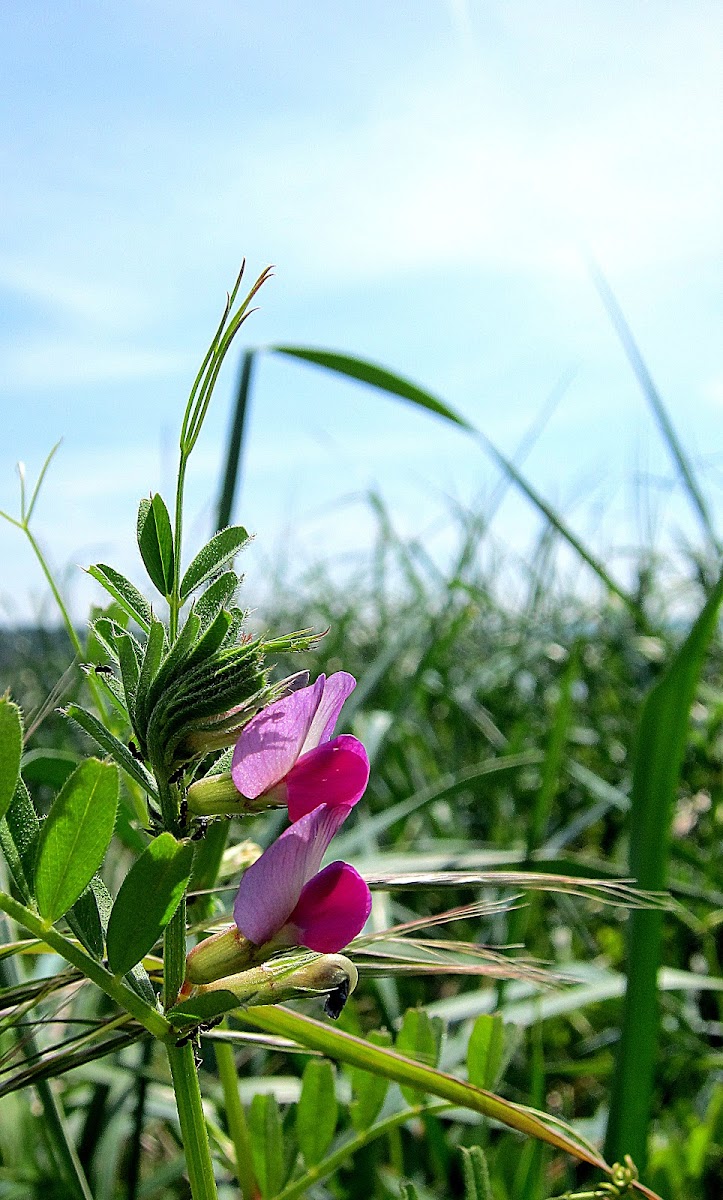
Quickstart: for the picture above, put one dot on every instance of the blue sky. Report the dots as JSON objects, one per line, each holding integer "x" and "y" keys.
{"x": 428, "y": 179}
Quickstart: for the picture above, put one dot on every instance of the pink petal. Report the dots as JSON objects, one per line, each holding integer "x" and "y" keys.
{"x": 332, "y": 909}
{"x": 336, "y": 690}
{"x": 271, "y": 887}
{"x": 336, "y": 772}
{"x": 271, "y": 743}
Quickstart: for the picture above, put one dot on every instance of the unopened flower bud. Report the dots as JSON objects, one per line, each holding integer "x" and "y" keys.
{"x": 221, "y": 954}
{"x": 288, "y": 978}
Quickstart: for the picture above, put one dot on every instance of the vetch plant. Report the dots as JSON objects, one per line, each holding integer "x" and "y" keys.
{"x": 190, "y": 725}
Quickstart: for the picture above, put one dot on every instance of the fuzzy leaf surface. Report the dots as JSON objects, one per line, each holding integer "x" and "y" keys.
{"x": 214, "y": 555}
{"x": 11, "y": 749}
{"x": 124, "y": 593}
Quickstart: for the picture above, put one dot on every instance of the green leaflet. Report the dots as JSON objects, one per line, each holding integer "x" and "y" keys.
{"x": 214, "y": 555}
{"x": 267, "y": 1144}
{"x": 75, "y": 837}
{"x": 124, "y": 592}
{"x": 369, "y": 1088}
{"x": 11, "y": 749}
{"x": 148, "y": 898}
{"x": 317, "y": 1110}
{"x": 155, "y": 542}
{"x": 48, "y": 768}
{"x": 420, "y": 1038}
{"x": 19, "y": 830}
{"x": 485, "y": 1050}
{"x": 111, "y": 744}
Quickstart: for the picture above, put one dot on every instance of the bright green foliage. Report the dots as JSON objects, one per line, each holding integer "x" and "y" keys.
{"x": 19, "y": 831}
{"x": 419, "y": 1038}
{"x": 148, "y": 898}
{"x": 215, "y": 554}
{"x": 75, "y": 837}
{"x": 268, "y": 1144}
{"x": 317, "y": 1111}
{"x": 155, "y": 542}
{"x": 11, "y": 748}
{"x": 661, "y": 745}
{"x": 485, "y": 1051}
{"x": 369, "y": 1089}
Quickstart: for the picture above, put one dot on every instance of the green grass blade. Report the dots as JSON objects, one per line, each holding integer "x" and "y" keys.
{"x": 652, "y": 395}
{"x": 234, "y": 450}
{"x": 661, "y": 746}
{"x": 358, "y": 1053}
{"x": 395, "y": 385}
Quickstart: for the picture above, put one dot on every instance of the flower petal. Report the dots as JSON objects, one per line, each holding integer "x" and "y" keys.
{"x": 336, "y": 772}
{"x": 332, "y": 909}
{"x": 336, "y": 689}
{"x": 271, "y": 887}
{"x": 271, "y": 743}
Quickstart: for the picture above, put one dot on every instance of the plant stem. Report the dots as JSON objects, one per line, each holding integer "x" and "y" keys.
{"x": 174, "y": 600}
{"x": 112, "y": 985}
{"x": 236, "y": 1119}
{"x": 193, "y": 1123}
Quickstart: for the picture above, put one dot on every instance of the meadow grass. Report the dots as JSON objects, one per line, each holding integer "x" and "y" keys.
{"x": 500, "y": 738}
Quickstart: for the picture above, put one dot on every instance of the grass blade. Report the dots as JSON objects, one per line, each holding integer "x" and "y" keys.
{"x": 661, "y": 746}
{"x": 652, "y": 395}
{"x": 395, "y": 385}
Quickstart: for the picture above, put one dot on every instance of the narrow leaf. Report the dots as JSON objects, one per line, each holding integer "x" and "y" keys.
{"x": 659, "y": 756}
{"x": 484, "y": 1050}
{"x": 11, "y": 749}
{"x": 85, "y": 921}
{"x": 396, "y": 385}
{"x": 152, "y": 655}
{"x": 419, "y": 1038}
{"x": 317, "y": 1111}
{"x": 155, "y": 542}
{"x": 19, "y": 832}
{"x": 360, "y": 1053}
{"x": 214, "y": 555}
{"x": 111, "y": 744}
{"x": 75, "y": 837}
{"x": 125, "y": 593}
{"x": 369, "y": 1088}
{"x": 148, "y": 898}
{"x": 267, "y": 1144}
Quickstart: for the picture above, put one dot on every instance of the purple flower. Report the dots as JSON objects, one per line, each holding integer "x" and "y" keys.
{"x": 287, "y": 752}
{"x": 286, "y": 900}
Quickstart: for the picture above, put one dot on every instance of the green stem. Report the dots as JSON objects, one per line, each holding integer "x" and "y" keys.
{"x": 236, "y": 1119}
{"x": 112, "y": 985}
{"x": 193, "y": 1123}
{"x": 174, "y": 602}
{"x": 174, "y": 955}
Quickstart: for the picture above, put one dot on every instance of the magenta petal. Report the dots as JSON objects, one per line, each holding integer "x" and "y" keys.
{"x": 271, "y": 743}
{"x": 332, "y": 909}
{"x": 271, "y": 887}
{"x": 336, "y": 689}
{"x": 335, "y": 773}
